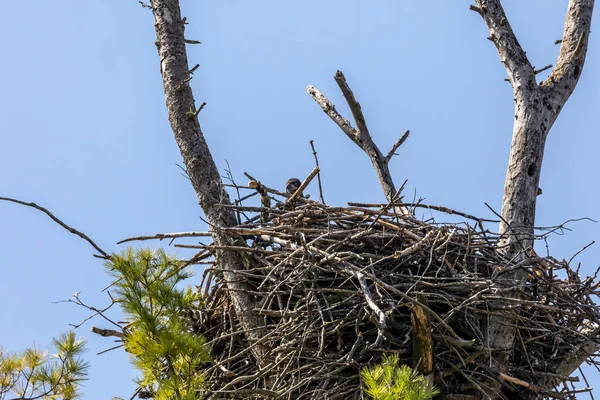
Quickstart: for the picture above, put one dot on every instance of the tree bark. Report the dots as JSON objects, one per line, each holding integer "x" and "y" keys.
{"x": 201, "y": 168}
{"x": 536, "y": 109}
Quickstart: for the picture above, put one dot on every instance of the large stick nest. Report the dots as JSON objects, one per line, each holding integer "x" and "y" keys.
{"x": 338, "y": 287}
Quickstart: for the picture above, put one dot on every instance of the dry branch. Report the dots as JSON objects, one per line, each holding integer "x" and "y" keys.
{"x": 361, "y": 136}
{"x": 74, "y": 231}
{"x": 312, "y": 146}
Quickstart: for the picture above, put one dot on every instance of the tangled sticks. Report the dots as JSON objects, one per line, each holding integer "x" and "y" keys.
{"x": 340, "y": 286}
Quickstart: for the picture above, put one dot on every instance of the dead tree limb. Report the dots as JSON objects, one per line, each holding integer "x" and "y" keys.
{"x": 536, "y": 109}
{"x": 360, "y": 135}
{"x": 202, "y": 170}
{"x": 74, "y": 231}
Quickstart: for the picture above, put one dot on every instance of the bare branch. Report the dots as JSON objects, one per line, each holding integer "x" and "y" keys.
{"x": 571, "y": 58}
{"x": 362, "y": 132}
{"x": 398, "y": 143}
{"x": 360, "y": 136}
{"x": 74, "y": 231}
{"x": 161, "y": 236}
{"x": 330, "y": 110}
{"x": 512, "y": 55}
{"x": 312, "y": 146}
{"x": 539, "y": 71}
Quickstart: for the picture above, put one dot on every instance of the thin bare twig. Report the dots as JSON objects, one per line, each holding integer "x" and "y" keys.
{"x": 74, "y": 231}
{"x": 398, "y": 143}
{"x": 312, "y": 145}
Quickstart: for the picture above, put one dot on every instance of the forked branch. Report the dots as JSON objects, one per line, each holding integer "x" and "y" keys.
{"x": 360, "y": 135}
{"x": 536, "y": 110}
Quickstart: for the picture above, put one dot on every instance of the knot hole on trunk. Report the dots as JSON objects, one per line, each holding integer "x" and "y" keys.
{"x": 531, "y": 169}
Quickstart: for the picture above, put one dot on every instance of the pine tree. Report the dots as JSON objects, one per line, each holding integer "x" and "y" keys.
{"x": 388, "y": 381}
{"x": 161, "y": 345}
{"x": 34, "y": 374}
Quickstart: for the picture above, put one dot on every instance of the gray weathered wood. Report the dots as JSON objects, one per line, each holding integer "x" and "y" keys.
{"x": 361, "y": 136}
{"x": 536, "y": 108}
{"x": 201, "y": 168}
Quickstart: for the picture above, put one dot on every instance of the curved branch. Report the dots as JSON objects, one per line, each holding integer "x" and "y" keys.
{"x": 74, "y": 231}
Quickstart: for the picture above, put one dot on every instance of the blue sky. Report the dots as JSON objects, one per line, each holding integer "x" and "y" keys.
{"x": 85, "y": 131}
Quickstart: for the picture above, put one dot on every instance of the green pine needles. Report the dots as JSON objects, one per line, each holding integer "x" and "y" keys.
{"x": 162, "y": 348}
{"x": 388, "y": 381}
{"x": 33, "y": 374}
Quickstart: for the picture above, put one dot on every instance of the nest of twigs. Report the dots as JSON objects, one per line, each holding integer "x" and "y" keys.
{"x": 338, "y": 287}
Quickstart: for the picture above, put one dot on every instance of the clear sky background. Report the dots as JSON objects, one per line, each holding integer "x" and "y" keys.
{"x": 84, "y": 129}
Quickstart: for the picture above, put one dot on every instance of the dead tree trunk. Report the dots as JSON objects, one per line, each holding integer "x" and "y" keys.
{"x": 536, "y": 108}
{"x": 201, "y": 168}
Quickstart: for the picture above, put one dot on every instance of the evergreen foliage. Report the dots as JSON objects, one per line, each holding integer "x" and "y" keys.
{"x": 157, "y": 337}
{"x": 388, "y": 381}
{"x": 33, "y": 374}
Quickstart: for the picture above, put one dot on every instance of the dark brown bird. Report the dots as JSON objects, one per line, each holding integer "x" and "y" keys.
{"x": 292, "y": 185}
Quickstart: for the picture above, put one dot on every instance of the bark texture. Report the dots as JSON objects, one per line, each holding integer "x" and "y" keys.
{"x": 201, "y": 168}
{"x": 536, "y": 108}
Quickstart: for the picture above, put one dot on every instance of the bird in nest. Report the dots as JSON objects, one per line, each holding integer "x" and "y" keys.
{"x": 292, "y": 185}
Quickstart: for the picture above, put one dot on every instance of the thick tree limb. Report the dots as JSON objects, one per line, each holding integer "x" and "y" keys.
{"x": 536, "y": 109}
{"x": 512, "y": 55}
{"x": 571, "y": 58}
{"x": 360, "y": 135}
{"x": 203, "y": 173}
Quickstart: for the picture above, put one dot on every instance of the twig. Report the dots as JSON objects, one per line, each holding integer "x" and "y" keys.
{"x": 74, "y": 231}
{"x": 398, "y": 143}
{"x": 538, "y": 71}
{"x": 312, "y": 145}
{"x": 161, "y": 236}
{"x": 581, "y": 251}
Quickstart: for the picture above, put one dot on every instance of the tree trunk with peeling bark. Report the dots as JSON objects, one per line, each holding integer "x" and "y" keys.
{"x": 200, "y": 166}
{"x": 536, "y": 108}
